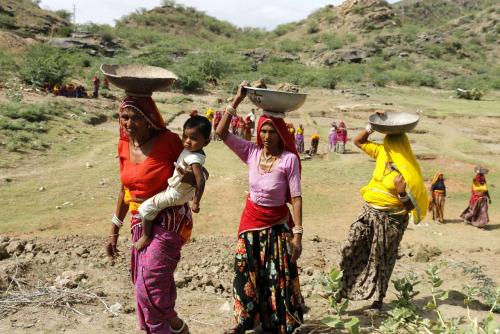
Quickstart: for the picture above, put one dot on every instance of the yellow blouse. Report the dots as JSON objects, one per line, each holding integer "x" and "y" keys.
{"x": 380, "y": 191}
{"x": 479, "y": 188}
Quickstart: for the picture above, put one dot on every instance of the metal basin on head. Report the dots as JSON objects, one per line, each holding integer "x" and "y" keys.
{"x": 138, "y": 79}
{"x": 394, "y": 122}
{"x": 275, "y": 100}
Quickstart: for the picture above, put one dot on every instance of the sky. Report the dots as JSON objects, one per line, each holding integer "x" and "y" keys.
{"x": 242, "y": 13}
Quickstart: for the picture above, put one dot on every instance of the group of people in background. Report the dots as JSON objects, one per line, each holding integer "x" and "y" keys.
{"x": 76, "y": 91}
{"x": 243, "y": 127}
{"x": 337, "y": 137}
{"x": 476, "y": 213}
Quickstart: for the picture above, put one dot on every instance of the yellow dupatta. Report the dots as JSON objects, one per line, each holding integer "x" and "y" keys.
{"x": 399, "y": 151}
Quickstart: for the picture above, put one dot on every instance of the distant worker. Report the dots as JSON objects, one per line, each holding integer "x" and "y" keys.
{"x": 332, "y": 138}
{"x": 209, "y": 114}
{"x": 105, "y": 84}
{"x": 96, "y": 82}
{"x": 341, "y": 138}
{"x": 193, "y": 113}
{"x": 476, "y": 213}
{"x": 299, "y": 139}
{"x": 251, "y": 115}
{"x": 314, "y": 143}
{"x": 438, "y": 195}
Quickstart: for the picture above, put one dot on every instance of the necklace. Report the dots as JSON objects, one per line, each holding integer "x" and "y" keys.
{"x": 265, "y": 163}
{"x": 138, "y": 145}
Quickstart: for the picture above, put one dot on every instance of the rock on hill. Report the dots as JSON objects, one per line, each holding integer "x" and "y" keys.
{"x": 26, "y": 18}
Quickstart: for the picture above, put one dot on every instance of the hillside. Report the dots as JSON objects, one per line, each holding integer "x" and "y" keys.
{"x": 26, "y": 18}
{"x": 439, "y": 43}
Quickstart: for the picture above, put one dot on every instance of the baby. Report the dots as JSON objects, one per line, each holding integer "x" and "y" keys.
{"x": 195, "y": 136}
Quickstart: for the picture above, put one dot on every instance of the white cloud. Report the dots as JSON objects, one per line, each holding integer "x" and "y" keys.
{"x": 243, "y": 13}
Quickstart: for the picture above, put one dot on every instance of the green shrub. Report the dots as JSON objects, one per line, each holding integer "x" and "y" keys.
{"x": 43, "y": 64}
{"x": 7, "y": 64}
{"x": 64, "y": 14}
{"x": 292, "y": 46}
{"x": 190, "y": 79}
{"x": 313, "y": 28}
{"x": 283, "y": 29}
{"x": 7, "y": 22}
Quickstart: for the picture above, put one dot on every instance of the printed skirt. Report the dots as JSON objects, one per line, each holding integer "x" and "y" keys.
{"x": 266, "y": 287}
{"x": 370, "y": 252}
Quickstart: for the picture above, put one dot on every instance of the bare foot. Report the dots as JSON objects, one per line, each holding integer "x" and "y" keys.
{"x": 143, "y": 242}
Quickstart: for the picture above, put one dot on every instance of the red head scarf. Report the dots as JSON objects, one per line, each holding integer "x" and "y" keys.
{"x": 285, "y": 135}
{"x": 147, "y": 108}
{"x": 479, "y": 179}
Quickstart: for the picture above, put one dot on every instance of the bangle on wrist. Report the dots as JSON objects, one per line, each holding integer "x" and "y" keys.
{"x": 297, "y": 230}
{"x": 404, "y": 198}
{"x": 369, "y": 128}
{"x": 230, "y": 110}
{"x": 116, "y": 221}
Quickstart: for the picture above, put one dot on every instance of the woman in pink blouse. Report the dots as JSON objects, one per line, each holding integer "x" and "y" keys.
{"x": 266, "y": 286}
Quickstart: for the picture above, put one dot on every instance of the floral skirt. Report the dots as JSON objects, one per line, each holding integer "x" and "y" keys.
{"x": 266, "y": 287}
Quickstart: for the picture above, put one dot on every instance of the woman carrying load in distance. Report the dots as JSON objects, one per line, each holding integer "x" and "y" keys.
{"x": 395, "y": 195}
{"x": 266, "y": 286}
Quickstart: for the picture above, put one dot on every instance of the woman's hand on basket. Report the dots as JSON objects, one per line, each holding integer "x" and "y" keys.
{"x": 296, "y": 244}
{"x": 240, "y": 95}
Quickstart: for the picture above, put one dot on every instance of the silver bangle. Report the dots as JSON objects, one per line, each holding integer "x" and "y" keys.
{"x": 405, "y": 198}
{"x": 230, "y": 110}
{"x": 297, "y": 230}
{"x": 115, "y": 220}
{"x": 369, "y": 128}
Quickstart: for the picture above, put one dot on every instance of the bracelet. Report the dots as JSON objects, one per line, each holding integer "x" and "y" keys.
{"x": 115, "y": 220}
{"x": 297, "y": 230}
{"x": 230, "y": 110}
{"x": 404, "y": 198}
{"x": 369, "y": 128}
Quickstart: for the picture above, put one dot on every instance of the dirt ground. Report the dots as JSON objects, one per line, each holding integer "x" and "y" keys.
{"x": 59, "y": 231}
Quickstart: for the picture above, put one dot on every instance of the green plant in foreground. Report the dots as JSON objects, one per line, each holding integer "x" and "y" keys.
{"x": 403, "y": 313}
{"x": 339, "y": 306}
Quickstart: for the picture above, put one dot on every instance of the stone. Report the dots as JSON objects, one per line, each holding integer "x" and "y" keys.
{"x": 315, "y": 238}
{"x": 227, "y": 307}
{"x": 16, "y": 247}
{"x": 64, "y": 283}
{"x": 30, "y": 247}
{"x": 115, "y": 308}
{"x": 4, "y": 254}
{"x": 41, "y": 189}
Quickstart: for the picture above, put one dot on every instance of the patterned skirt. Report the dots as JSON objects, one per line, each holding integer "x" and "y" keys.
{"x": 476, "y": 213}
{"x": 370, "y": 253}
{"x": 266, "y": 287}
{"x": 437, "y": 206}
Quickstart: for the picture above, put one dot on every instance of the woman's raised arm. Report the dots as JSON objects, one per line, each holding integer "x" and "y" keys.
{"x": 223, "y": 127}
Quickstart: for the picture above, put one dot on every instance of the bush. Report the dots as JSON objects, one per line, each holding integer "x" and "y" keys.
{"x": 190, "y": 79}
{"x": 43, "y": 64}
{"x": 7, "y": 64}
{"x": 7, "y": 22}
{"x": 312, "y": 28}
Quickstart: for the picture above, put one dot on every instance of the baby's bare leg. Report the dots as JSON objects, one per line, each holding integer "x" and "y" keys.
{"x": 147, "y": 234}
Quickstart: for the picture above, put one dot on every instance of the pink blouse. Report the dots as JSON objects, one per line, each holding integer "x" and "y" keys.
{"x": 267, "y": 189}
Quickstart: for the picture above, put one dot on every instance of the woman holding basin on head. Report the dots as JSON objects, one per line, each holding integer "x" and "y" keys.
{"x": 266, "y": 286}
{"x": 147, "y": 151}
{"x": 395, "y": 195}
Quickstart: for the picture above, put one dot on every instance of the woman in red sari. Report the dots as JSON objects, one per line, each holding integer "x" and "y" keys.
{"x": 147, "y": 152}
{"x": 476, "y": 213}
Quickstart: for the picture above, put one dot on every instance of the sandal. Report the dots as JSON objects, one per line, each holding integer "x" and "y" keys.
{"x": 183, "y": 330}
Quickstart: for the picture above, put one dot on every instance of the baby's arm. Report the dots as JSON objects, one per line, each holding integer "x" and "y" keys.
{"x": 200, "y": 186}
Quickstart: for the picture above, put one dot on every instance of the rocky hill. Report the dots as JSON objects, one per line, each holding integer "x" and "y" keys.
{"x": 438, "y": 43}
{"x": 25, "y": 17}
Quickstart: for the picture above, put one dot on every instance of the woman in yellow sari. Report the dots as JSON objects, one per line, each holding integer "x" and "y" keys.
{"x": 394, "y": 196}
